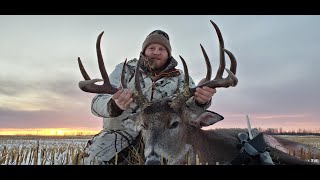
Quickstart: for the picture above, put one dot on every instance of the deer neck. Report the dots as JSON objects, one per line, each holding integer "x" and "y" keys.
{"x": 210, "y": 148}
{"x": 200, "y": 145}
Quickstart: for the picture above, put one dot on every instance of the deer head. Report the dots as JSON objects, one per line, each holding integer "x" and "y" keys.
{"x": 167, "y": 124}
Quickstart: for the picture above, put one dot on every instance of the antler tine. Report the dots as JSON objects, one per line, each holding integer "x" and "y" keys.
{"x": 209, "y": 69}
{"x": 185, "y": 93}
{"x": 139, "y": 97}
{"x": 221, "y": 49}
{"x": 88, "y": 81}
{"x": 82, "y": 70}
{"x": 186, "y": 77}
{"x": 123, "y": 85}
{"x": 102, "y": 68}
{"x": 233, "y": 66}
{"x": 88, "y": 85}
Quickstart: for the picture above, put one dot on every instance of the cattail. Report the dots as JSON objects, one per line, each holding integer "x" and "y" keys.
{"x": 43, "y": 151}
{"x": 95, "y": 160}
{"x": 72, "y": 151}
{"x": 75, "y": 159}
{"x": 4, "y": 154}
{"x": 189, "y": 160}
{"x": 21, "y": 155}
{"x": 30, "y": 155}
{"x": 4, "y": 151}
{"x": 2, "y": 159}
{"x": 35, "y": 156}
{"x": 81, "y": 160}
{"x": 12, "y": 156}
{"x": 26, "y": 156}
{"x": 116, "y": 159}
{"x": 161, "y": 159}
{"x": 67, "y": 158}
{"x": 43, "y": 160}
{"x": 309, "y": 154}
{"x": 52, "y": 157}
{"x": 17, "y": 159}
{"x": 197, "y": 160}
{"x": 8, "y": 159}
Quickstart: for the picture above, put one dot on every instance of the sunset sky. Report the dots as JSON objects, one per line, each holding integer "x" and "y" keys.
{"x": 278, "y": 66}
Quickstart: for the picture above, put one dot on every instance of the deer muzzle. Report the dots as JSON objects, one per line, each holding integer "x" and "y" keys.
{"x": 153, "y": 159}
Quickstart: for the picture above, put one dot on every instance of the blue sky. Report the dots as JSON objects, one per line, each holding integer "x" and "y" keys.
{"x": 278, "y": 59}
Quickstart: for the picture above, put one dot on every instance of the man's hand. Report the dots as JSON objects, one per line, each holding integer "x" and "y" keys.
{"x": 204, "y": 94}
{"x": 123, "y": 98}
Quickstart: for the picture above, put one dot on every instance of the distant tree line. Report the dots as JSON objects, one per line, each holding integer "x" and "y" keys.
{"x": 271, "y": 131}
{"x": 280, "y": 131}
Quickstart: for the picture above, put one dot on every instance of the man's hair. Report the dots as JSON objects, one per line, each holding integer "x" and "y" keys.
{"x": 157, "y": 37}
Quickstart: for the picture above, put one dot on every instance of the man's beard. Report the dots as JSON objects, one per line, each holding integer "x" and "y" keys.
{"x": 150, "y": 64}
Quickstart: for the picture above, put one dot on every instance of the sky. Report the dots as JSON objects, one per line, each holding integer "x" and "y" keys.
{"x": 278, "y": 60}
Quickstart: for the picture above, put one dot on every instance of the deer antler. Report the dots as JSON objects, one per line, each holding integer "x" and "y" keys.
{"x": 106, "y": 88}
{"x": 217, "y": 82}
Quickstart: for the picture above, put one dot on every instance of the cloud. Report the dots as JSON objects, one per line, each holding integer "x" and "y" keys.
{"x": 53, "y": 95}
{"x": 283, "y": 116}
{"x": 82, "y": 118}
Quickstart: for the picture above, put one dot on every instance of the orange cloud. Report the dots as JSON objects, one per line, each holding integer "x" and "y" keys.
{"x": 48, "y": 131}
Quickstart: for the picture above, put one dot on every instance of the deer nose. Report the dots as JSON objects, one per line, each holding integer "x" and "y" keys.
{"x": 152, "y": 162}
{"x": 153, "y": 159}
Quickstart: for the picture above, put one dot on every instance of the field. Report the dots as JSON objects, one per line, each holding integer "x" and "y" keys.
{"x": 42, "y": 150}
{"x": 309, "y": 140}
{"x": 68, "y": 150}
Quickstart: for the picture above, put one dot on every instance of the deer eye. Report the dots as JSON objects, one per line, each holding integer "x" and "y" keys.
{"x": 174, "y": 125}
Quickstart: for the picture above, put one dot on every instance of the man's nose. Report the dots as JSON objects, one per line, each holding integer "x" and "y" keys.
{"x": 156, "y": 51}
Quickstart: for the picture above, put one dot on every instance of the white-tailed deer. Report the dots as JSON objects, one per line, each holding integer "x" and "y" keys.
{"x": 172, "y": 130}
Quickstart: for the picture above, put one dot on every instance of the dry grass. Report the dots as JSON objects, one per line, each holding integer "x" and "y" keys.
{"x": 70, "y": 151}
{"x": 313, "y": 141}
{"x": 305, "y": 154}
{"x": 32, "y": 150}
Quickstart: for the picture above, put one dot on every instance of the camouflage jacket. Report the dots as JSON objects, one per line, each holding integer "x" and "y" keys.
{"x": 165, "y": 86}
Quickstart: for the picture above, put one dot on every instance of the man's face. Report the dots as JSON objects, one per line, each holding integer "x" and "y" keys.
{"x": 158, "y": 54}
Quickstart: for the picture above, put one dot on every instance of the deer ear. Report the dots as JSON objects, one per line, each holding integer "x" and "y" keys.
{"x": 206, "y": 119}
